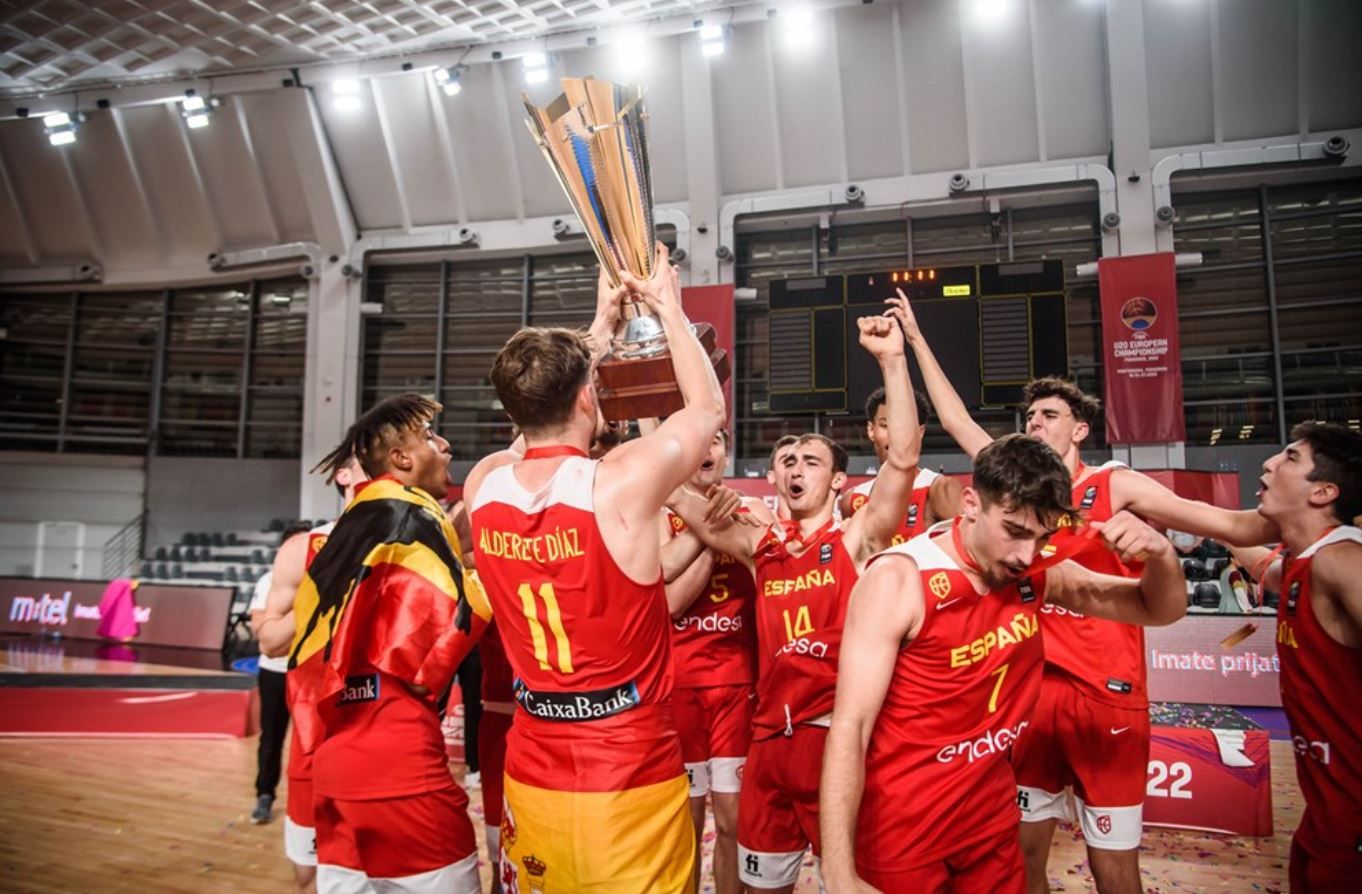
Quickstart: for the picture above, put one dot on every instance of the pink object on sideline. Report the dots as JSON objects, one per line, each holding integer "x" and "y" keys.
{"x": 117, "y": 610}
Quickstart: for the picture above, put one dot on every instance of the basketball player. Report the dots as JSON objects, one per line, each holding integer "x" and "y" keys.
{"x": 784, "y": 446}
{"x": 935, "y": 497}
{"x": 1091, "y": 726}
{"x": 275, "y": 633}
{"x": 385, "y": 615}
{"x": 804, "y": 568}
{"x": 498, "y": 709}
{"x": 567, "y": 547}
{"x": 1312, "y": 490}
{"x": 273, "y": 705}
{"x": 713, "y": 643}
{"x": 941, "y": 666}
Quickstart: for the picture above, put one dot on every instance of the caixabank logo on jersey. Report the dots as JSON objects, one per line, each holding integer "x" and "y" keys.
{"x": 359, "y": 689}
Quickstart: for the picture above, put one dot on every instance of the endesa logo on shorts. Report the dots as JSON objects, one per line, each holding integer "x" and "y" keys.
{"x": 990, "y": 743}
{"x": 359, "y": 689}
{"x": 708, "y": 624}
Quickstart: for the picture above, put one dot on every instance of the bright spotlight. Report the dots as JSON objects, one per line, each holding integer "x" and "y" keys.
{"x": 992, "y": 12}
{"x": 61, "y": 128}
{"x": 712, "y": 40}
{"x": 448, "y": 79}
{"x": 631, "y": 52}
{"x": 345, "y": 93}
{"x": 796, "y": 25}
{"x": 536, "y": 67}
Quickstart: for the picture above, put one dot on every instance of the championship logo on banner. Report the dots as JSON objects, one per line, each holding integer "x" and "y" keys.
{"x": 1142, "y": 364}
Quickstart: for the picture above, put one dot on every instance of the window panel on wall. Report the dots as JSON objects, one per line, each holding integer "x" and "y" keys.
{"x": 274, "y": 419}
{"x": 201, "y": 393}
{"x": 111, "y": 375}
{"x": 32, "y": 364}
{"x": 399, "y": 343}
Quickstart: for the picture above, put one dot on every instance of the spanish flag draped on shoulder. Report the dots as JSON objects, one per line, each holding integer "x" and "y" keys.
{"x": 386, "y": 593}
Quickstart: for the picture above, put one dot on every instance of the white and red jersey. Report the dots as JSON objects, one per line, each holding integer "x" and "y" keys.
{"x": 300, "y": 762}
{"x": 1106, "y": 656}
{"x": 937, "y": 772}
{"x": 1320, "y": 678}
{"x": 801, "y": 607}
{"x": 915, "y": 519}
{"x": 590, "y": 646}
{"x": 714, "y": 641}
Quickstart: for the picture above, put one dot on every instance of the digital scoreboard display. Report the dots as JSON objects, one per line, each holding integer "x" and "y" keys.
{"x": 992, "y": 327}
{"x": 920, "y": 284}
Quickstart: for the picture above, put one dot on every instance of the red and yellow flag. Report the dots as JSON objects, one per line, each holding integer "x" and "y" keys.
{"x": 386, "y": 593}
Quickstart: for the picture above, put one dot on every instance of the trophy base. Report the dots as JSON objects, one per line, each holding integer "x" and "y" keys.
{"x": 646, "y": 387}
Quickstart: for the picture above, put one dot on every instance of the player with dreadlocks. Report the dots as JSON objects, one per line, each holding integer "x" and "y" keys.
{"x": 384, "y": 616}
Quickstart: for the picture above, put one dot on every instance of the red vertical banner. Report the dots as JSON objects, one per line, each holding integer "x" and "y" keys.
{"x": 715, "y": 305}
{"x": 1142, "y": 363}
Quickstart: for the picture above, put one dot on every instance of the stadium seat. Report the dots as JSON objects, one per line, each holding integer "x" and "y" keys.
{"x": 1206, "y": 595}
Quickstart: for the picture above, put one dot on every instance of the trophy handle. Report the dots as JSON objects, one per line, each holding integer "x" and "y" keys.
{"x": 639, "y": 333}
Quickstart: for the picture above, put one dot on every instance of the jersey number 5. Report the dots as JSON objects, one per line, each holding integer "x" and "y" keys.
{"x": 555, "y": 619}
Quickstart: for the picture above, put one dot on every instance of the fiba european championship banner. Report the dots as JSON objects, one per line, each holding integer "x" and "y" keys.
{"x": 1142, "y": 363}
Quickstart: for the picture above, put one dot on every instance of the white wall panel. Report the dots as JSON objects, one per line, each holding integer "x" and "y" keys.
{"x": 1259, "y": 68}
{"x": 540, "y": 189}
{"x": 57, "y": 223}
{"x": 268, "y": 115}
{"x": 188, "y": 230}
{"x": 1071, "y": 70}
{"x": 1177, "y": 39}
{"x": 938, "y": 137}
{"x": 233, "y": 180}
{"x": 426, "y": 177}
{"x": 808, "y": 97}
{"x": 116, "y": 205}
{"x": 1333, "y": 64}
{"x": 1002, "y": 86}
{"x": 743, "y": 117}
{"x": 870, "y": 91}
{"x": 482, "y": 146}
{"x": 362, "y": 157}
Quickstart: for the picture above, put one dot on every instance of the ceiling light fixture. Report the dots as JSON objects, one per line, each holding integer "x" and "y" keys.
{"x": 449, "y": 79}
{"x": 345, "y": 95}
{"x": 61, "y": 127}
{"x": 712, "y": 40}
{"x": 536, "y": 67}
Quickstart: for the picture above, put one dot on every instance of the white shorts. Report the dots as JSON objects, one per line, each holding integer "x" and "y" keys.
{"x": 1105, "y": 828}
{"x": 300, "y": 843}
{"x": 457, "y": 878}
{"x": 721, "y": 775}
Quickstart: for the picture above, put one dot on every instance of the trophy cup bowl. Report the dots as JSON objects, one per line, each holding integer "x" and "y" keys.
{"x": 594, "y": 140}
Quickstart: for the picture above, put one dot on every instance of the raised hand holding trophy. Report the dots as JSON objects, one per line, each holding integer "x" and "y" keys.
{"x": 593, "y": 138}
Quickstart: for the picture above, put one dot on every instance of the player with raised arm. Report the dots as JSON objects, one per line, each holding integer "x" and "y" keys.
{"x": 596, "y": 793}
{"x": 1312, "y": 491}
{"x": 805, "y": 567}
{"x": 711, "y": 598}
{"x": 940, "y": 669}
{"x": 935, "y": 496}
{"x": 1091, "y": 727}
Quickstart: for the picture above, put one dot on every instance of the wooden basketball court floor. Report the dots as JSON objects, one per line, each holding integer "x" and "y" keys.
{"x": 124, "y": 815}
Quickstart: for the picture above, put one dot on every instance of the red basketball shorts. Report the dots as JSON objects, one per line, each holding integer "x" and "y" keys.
{"x": 1099, "y": 749}
{"x": 715, "y": 724}
{"x": 778, "y": 806}
{"x": 426, "y": 840}
{"x": 993, "y": 865}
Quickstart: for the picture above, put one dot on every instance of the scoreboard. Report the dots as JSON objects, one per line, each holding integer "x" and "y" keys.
{"x": 992, "y": 327}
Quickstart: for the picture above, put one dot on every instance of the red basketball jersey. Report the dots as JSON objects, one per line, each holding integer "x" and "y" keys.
{"x": 1320, "y": 679}
{"x": 498, "y": 679}
{"x": 801, "y": 607}
{"x": 299, "y": 761}
{"x": 937, "y": 771}
{"x": 914, "y": 520}
{"x": 714, "y": 643}
{"x": 590, "y": 647}
{"x": 1106, "y": 656}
